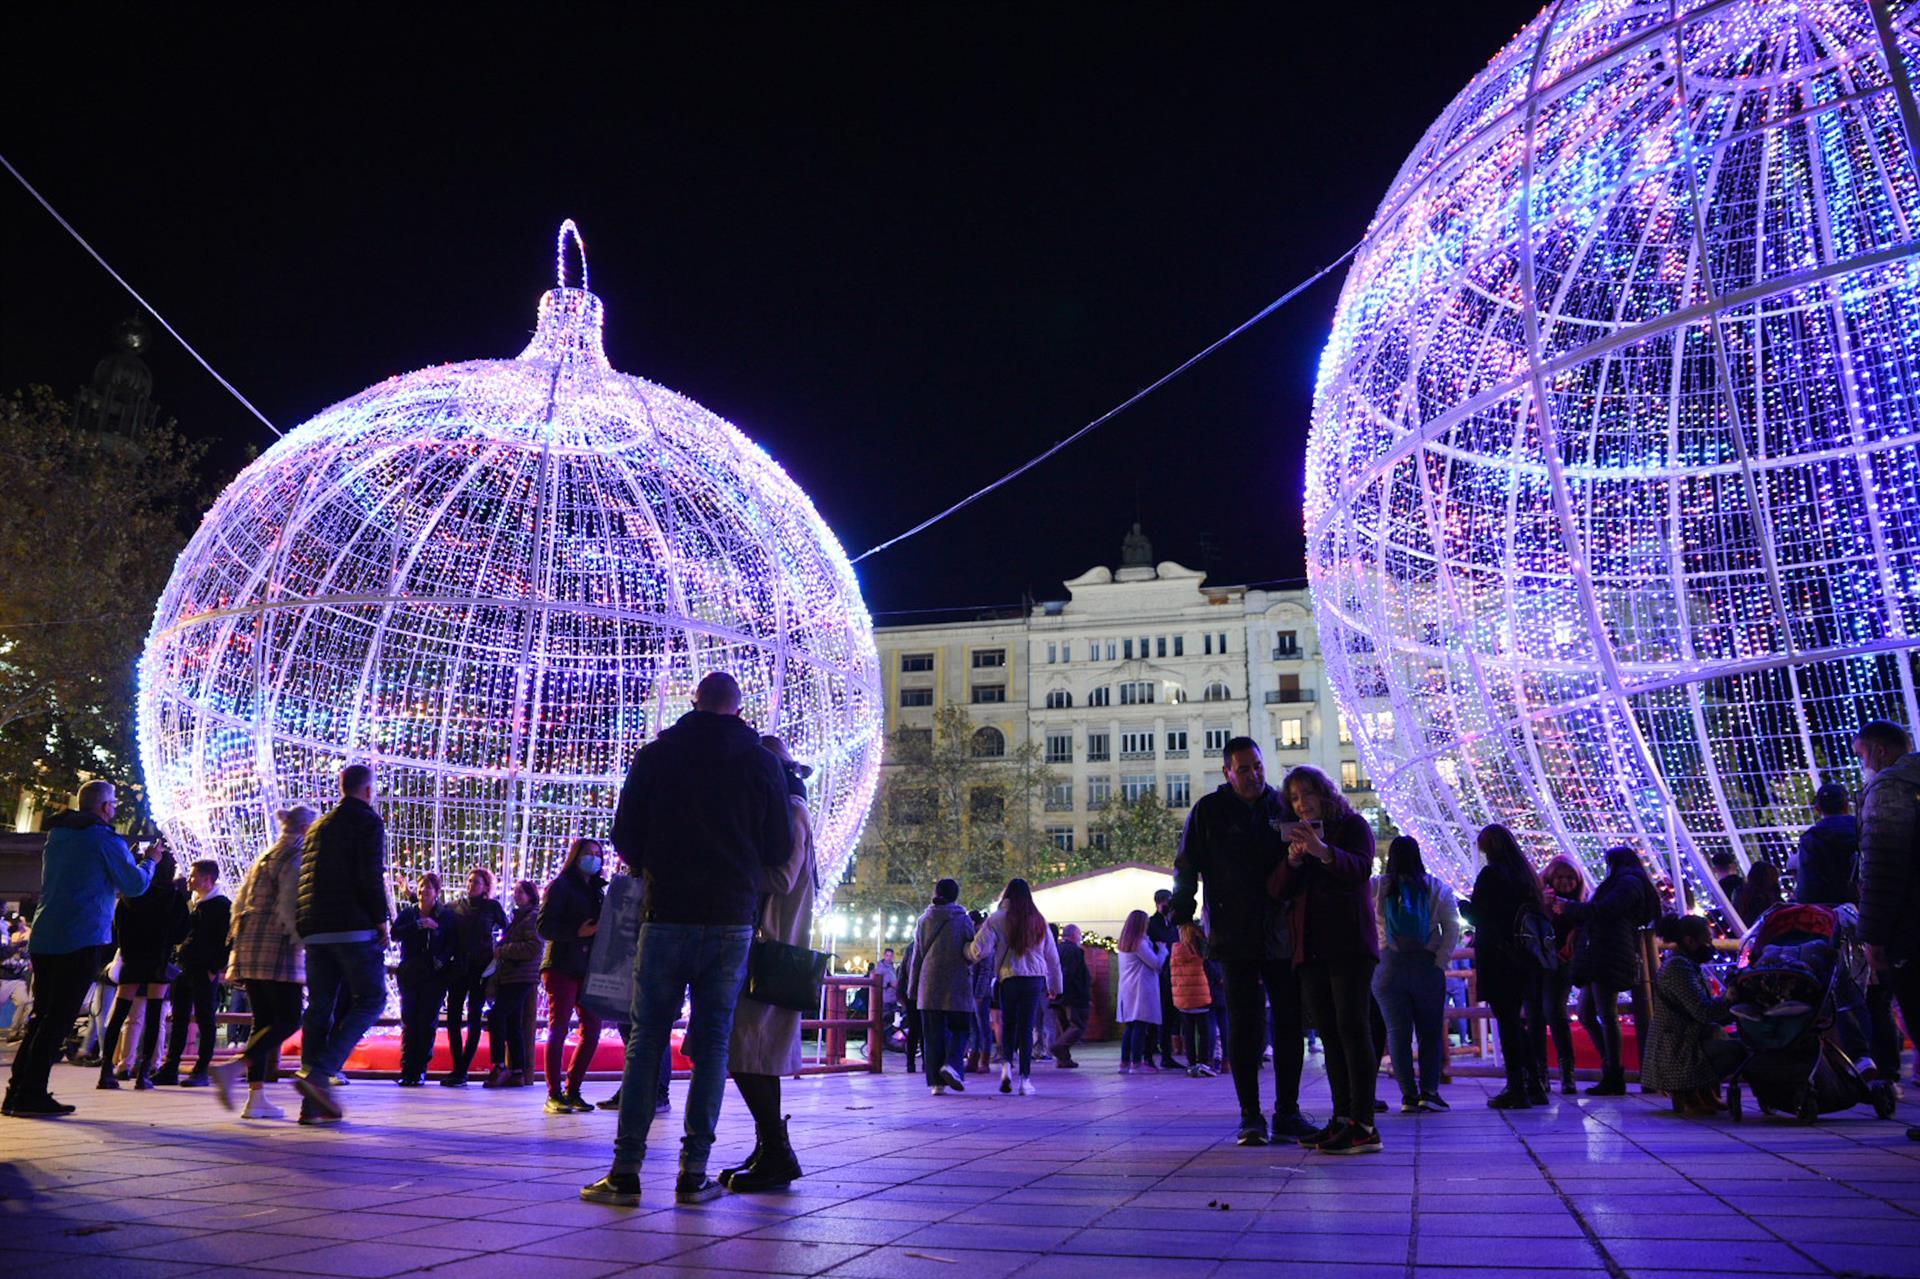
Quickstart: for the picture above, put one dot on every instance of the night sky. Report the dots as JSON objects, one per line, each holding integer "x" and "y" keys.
{"x": 903, "y": 247}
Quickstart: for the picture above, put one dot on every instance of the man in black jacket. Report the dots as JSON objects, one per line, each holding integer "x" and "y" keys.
{"x": 203, "y": 960}
{"x": 1162, "y": 929}
{"x": 701, "y": 818}
{"x": 342, "y": 914}
{"x": 1232, "y": 843}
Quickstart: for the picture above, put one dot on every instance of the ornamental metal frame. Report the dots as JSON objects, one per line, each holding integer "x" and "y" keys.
{"x": 1613, "y": 495}
{"x": 493, "y": 581}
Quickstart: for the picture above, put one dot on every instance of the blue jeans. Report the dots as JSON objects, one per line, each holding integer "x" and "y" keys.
{"x": 358, "y": 967}
{"x": 1136, "y": 1042}
{"x": 1411, "y": 989}
{"x": 705, "y": 964}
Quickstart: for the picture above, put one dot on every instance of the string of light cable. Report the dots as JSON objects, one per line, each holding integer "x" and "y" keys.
{"x": 493, "y": 581}
{"x": 1613, "y": 503}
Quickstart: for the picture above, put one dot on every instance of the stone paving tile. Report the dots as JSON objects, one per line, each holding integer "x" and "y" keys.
{"x": 1098, "y": 1178}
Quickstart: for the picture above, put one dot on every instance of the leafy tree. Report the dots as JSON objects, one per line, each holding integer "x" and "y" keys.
{"x": 950, "y": 805}
{"x": 86, "y": 545}
{"x": 1137, "y": 830}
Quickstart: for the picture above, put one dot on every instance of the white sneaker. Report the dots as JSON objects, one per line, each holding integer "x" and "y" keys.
{"x": 938, "y": 1090}
{"x": 952, "y": 1077}
{"x": 258, "y": 1107}
{"x": 1026, "y": 1086}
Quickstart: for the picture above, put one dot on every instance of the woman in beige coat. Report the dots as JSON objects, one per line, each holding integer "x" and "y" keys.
{"x": 766, "y": 1039}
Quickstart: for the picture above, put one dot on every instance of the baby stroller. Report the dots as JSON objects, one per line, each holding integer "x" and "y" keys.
{"x": 1798, "y": 1011}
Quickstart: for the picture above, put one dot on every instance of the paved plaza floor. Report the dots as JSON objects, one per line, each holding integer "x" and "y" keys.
{"x": 1100, "y": 1175}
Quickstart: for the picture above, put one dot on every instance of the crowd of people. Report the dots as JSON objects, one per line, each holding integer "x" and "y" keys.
{"x": 1302, "y": 933}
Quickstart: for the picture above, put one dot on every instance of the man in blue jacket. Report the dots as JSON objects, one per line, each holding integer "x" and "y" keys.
{"x": 83, "y": 869}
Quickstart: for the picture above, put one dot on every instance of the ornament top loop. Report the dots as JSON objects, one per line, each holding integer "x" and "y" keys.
{"x": 569, "y": 228}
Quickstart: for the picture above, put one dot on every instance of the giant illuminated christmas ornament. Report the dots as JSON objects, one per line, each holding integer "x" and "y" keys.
{"x": 493, "y": 581}
{"x": 1612, "y": 501}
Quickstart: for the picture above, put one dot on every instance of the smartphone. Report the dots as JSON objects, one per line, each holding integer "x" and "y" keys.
{"x": 1290, "y": 831}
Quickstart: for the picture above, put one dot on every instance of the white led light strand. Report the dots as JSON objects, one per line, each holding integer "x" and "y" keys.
{"x": 493, "y": 581}
{"x": 1613, "y": 495}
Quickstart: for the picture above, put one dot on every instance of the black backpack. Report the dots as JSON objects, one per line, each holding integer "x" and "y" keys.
{"x": 1533, "y": 937}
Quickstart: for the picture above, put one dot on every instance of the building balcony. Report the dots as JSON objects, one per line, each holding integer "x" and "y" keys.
{"x": 1098, "y": 757}
{"x": 1136, "y": 754}
{"x": 1361, "y": 787}
{"x": 1059, "y": 759}
{"x": 1291, "y": 696}
{"x": 1280, "y": 745}
{"x": 1289, "y": 653}
{"x": 1095, "y": 805}
{"x": 1180, "y": 754}
{"x": 1059, "y": 806}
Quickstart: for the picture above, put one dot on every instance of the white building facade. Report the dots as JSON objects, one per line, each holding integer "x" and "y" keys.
{"x": 1132, "y": 685}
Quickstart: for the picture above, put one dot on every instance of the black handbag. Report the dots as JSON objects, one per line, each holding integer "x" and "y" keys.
{"x": 784, "y": 976}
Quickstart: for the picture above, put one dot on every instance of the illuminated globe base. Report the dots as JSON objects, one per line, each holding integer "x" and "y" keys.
{"x": 1613, "y": 504}
{"x": 493, "y": 582}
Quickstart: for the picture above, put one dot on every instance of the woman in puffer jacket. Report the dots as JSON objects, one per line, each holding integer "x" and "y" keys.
{"x": 516, "y": 971}
{"x": 1606, "y": 961}
{"x": 1193, "y": 1000}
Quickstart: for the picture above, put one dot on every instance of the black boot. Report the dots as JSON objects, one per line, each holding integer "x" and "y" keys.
{"x": 746, "y": 1165}
{"x": 1613, "y": 1083}
{"x": 776, "y": 1167}
{"x": 107, "y": 1081}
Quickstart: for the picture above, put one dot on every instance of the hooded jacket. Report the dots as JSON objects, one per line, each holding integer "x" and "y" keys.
{"x": 83, "y": 867}
{"x": 1234, "y": 846}
{"x": 703, "y": 811}
{"x": 1829, "y": 862}
{"x": 572, "y": 899}
{"x": 1607, "y": 954}
{"x": 938, "y": 974}
{"x": 1889, "y": 880}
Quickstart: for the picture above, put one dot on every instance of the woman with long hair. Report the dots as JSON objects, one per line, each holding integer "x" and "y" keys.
{"x": 1141, "y": 959}
{"x": 1015, "y": 941}
{"x": 1511, "y": 981}
{"x": 942, "y": 985}
{"x": 1760, "y": 894}
{"x": 569, "y": 917}
{"x": 1687, "y": 1051}
{"x": 1419, "y": 931}
{"x": 1606, "y": 962}
{"x": 146, "y": 928}
{"x": 269, "y": 961}
{"x": 477, "y": 921}
{"x": 1565, "y": 881}
{"x": 1336, "y": 948}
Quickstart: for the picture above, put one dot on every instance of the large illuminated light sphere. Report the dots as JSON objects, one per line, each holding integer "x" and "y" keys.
{"x": 493, "y": 581}
{"x": 1613, "y": 505}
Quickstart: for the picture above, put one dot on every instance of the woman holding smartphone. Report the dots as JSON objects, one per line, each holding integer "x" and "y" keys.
{"x": 1326, "y": 876}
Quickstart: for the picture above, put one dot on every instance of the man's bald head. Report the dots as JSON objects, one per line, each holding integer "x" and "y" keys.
{"x": 718, "y": 694}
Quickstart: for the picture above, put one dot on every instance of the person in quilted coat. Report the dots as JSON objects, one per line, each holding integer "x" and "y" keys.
{"x": 266, "y": 958}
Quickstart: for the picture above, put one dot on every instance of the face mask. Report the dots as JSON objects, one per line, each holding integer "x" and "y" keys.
{"x": 591, "y": 865}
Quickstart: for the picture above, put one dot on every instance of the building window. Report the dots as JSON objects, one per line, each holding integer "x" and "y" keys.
{"x": 1217, "y": 740}
{"x": 913, "y": 743}
{"x": 1059, "y": 700}
{"x": 1136, "y": 692}
{"x": 1053, "y": 654}
{"x": 1099, "y": 791}
{"x": 1060, "y": 797}
{"x": 987, "y": 693}
{"x": 1223, "y": 643}
{"x": 1207, "y": 641}
{"x": 984, "y": 658}
{"x": 1286, "y": 644}
{"x": 1176, "y": 743}
{"x": 916, "y": 697}
{"x": 1292, "y": 734}
{"x": 1160, "y": 646}
{"x": 911, "y": 662}
{"x": 1179, "y": 792}
{"x": 1110, "y": 650}
{"x": 989, "y": 743}
{"x": 908, "y": 807}
{"x": 1098, "y": 697}
{"x": 1216, "y": 692}
{"x": 1097, "y": 840}
{"x": 1176, "y": 694}
{"x": 1059, "y": 748}
{"x": 1126, "y": 649}
{"x": 1179, "y": 646}
{"x": 1061, "y": 837}
{"x": 1098, "y": 750}
{"x": 986, "y": 804}
{"x": 1346, "y": 733}
{"x": 1136, "y": 746}
{"x": 1349, "y": 775}
{"x": 1136, "y": 787}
